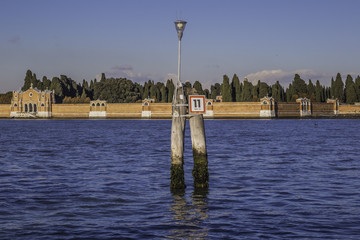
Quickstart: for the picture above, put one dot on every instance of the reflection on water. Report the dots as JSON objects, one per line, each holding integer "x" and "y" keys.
{"x": 189, "y": 216}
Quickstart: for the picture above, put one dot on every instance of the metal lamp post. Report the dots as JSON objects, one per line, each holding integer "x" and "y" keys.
{"x": 180, "y": 27}
{"x": 178, "y": 124}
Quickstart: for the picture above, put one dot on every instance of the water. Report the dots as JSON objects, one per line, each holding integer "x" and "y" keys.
{"x": 109, "y": 179}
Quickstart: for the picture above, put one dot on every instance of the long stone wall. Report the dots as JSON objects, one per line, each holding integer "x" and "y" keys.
{"x": 349, "y": 110}
{"x": 70, "y": 110}
{"x": 322, "y": 109}
{"x": 123, "y": 110}
{"x": 236, "y": 110}
{"x": 214, "y": 110}
{"x": 285, "y": 110}
{"x": 4, "y": 110}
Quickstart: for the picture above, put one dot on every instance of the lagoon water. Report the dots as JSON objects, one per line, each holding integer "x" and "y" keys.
{"x": 109, "y": 179}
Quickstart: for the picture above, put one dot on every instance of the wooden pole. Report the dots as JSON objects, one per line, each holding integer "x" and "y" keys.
{"x": 200, "y": 170}
{"x": 177, "y": 139}
{"x": 197, "y": 129}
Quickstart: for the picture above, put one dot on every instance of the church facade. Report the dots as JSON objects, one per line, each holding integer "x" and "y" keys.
{"x": 32, "y": 103}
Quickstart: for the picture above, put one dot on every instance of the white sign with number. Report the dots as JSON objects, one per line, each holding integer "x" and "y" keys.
{"x": 197, "y": 104}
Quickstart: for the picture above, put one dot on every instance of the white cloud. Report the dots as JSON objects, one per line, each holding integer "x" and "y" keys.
{"x": 271, "y": 76}
{"x": 127, "y": 71}
{"x": 172, "y": 76}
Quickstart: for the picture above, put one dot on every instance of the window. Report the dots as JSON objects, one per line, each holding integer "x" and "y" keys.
{"x": 30, "y": 94}
{"x": 146, "y": 104}
{"x": 43, "y": 105}
{"x": 98, "y": 104}
{"x": 103, "y": 104}
{"x": 93, "y": 104}
{"x": 15, "y": 105}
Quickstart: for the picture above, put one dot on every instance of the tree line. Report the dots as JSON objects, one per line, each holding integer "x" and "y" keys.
{"x": 122, "y": 90}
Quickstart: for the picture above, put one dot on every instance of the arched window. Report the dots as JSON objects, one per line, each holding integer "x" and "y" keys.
{"x": 30, "y": 107}
{"x": 93, "y": 104}
{"x": 43, "y": 105}
{"x": 265, "y": 102}
{"x": 103, "y": 104}
{"x": 15, "y": 105}
{"x": 35, "y": 108}
{"x": 98, "y": 104}
{"x": 26, "y": 107}
{"x": 146, "y": 104}
{"x": 209, "y": 104}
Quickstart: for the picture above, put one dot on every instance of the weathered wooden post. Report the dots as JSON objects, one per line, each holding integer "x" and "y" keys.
{"x": 178, "y": 124}
{"x": 200, "y": 171}
{"x": 177, "y": 139}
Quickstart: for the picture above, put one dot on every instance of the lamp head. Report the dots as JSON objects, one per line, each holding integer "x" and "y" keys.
{"x": 180, "y": 27}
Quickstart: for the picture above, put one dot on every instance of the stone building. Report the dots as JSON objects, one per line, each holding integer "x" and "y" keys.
{"x": 32, "y": 103}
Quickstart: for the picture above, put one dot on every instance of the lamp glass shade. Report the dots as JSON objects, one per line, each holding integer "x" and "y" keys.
{"x": 180, "y": 27}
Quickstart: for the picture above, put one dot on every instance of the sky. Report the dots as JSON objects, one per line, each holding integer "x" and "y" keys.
{"x": 267, "y": 40}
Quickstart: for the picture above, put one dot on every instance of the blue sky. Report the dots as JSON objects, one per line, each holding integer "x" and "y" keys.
{"x": 265, "y": 40}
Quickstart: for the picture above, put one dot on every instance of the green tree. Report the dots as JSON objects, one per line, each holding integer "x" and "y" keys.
{"x": 198, "y": 87}
{"x": 332, "y": 88}
{"x": 236, "y": 89}
{"x": 215, "y": 90}
{"x": 299, "y": 87}
{"x": 350, "y": 90}
{"x": 46, "y": 83}
{"x": 207, "y": 93}
{"x": 311, "y": 91}
{"x": 163, "y": 94}
{"x": 357, "y": 87}
{"x": 278, "y": 92}
{"x": 5, "y": 98}
{"x": 226, "y": 90}
{"x": 319, "y": 92}
{"x": 264, "y": 90}
{"x": 246, "y": 92}
{"x": 339, "y": 88}
{"x": 171, "y": 88}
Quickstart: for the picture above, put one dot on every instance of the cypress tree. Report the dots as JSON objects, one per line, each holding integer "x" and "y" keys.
{"x": 350, "y": 91}
{"x": 339, "y": 88}
{"x": 236, "y": 90}
{"x": 215, "y": 90}
{"x": 27, "y": 80}
{"x": 311, "y": 90}
{"x": 318, "y": 92}
{"x": 357, "y": 87}
{"x": 247, "y": 92}
{"x": 264, "y": 90}
{"x": 163, "y": 93}
{"x": 170, "y": 89}
{"x": 278, "y": 92}
{"x": 226, "y": 90}
{"x": 332, "y": 88}
{"x": 198, "y": 88}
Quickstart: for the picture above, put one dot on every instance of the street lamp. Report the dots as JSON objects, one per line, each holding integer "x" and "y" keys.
{"x": 180, "y": 27}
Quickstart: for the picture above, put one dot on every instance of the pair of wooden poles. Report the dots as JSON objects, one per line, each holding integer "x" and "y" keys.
{"x": 197, "y": 129}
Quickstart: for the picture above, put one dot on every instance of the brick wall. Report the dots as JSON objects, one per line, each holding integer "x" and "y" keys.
{"x": 4, "y": 110}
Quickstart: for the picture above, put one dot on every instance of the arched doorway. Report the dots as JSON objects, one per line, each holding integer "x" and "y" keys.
{"x": 35, "y": 108}
{"x": 26, "y": 107}
{"x": 30, "y": 107}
